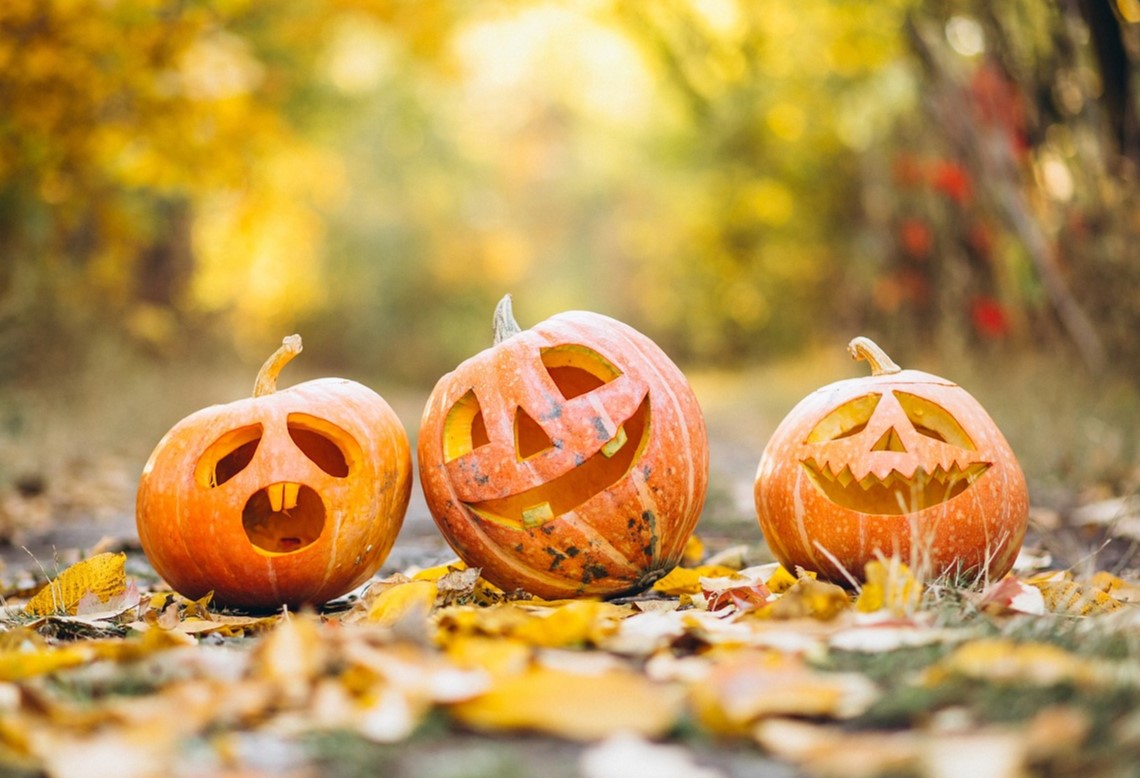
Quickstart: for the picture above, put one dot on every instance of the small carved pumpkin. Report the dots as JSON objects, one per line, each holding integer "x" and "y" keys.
{"x": 901, "y": 462}
{"x": 568, "y": 459}
{"x": 289, "y": 497}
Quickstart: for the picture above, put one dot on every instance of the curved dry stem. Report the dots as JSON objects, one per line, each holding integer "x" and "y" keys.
{"x": 504, "y": 325}
{"x": 267, "y": 377}
{"x": 866, "y": 349}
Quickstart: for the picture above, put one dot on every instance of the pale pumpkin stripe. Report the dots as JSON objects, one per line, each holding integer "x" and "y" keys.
{"x": 492, "y": 547}
{"x": 649, "y": 360}
{"x": 602, "y": 545}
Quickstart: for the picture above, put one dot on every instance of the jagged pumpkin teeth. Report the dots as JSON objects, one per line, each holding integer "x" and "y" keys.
{"x": 899, "y": 462}
{"x": 615, "y": 443}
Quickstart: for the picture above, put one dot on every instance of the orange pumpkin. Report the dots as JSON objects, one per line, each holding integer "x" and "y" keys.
{"x": 289, "y": 497}
{"x": 568, "y": 459}
{"x": 901, "y": 462}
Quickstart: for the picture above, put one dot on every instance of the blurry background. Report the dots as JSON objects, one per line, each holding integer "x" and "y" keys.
{"x": 750, "y": 183}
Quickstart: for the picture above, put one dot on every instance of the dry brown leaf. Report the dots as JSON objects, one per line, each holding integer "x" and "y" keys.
{"x": 95, "y": 581}
{"x": 808, "y": 598}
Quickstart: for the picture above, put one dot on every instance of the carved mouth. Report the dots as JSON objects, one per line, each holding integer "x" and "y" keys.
{"x": 895, "y": 494}
{"x": 284, "y": 517}
{"x": 540, "y": 504}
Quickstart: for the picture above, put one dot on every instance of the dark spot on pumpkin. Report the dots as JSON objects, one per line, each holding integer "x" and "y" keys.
{"x": 572, "y": 552}
{"x": 555, "y": 411}
{"x": 648, "y": 550}
{"x": 600, "y": 429}
{"x": 547, "y": 529}
{"x": 593, "y": 573}
{"x": 631, "y": 523}
{"x": 482, "y": 479}
{"x": 557, "y": 443}
{"x": 556, "y": 557}
{"x": 579, "y": 459}
{"x": 520, "y": 548}
{"x": 646, "y": 470}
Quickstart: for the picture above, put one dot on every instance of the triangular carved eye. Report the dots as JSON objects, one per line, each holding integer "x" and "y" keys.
{"x": 934, "y": 421}
{"x": 577, "y": 369}
{"x": 848, "y": 419}
{"x": 322, "y": 442}
{"x": 530, "y": 438}
{"x": 464, "y": 429}
{"x": 228, "y": 455}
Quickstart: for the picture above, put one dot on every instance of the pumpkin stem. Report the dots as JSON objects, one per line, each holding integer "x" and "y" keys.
{"x": 867, "y": 349}
{"x": 504, "y": 325}
{"x": 267, "y": 377}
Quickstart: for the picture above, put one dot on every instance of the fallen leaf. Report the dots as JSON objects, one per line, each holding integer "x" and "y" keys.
{"x": 96, "y": 580}
{"x": 808, "y": 598}
{"x": 750, "y": 685}
{"x": 576, "y": 706}
{"x": 889, "y": 586}
{"x": 687, "y": 580}
{"x": 1012, "y": 595}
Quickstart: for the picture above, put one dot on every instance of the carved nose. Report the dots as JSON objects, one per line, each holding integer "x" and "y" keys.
{"x": 889, "y": 441}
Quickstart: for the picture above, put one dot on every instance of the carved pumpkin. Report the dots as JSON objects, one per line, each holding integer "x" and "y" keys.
{"x": 568, "y": 459}
{"x": 289, "y": 497}
{"x": 901, "y": 462}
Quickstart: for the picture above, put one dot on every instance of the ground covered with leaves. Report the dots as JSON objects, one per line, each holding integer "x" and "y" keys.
{"x": 724, "y": 668}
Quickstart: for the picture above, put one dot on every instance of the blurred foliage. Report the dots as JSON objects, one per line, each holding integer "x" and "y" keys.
{"x": 736, "y": 179}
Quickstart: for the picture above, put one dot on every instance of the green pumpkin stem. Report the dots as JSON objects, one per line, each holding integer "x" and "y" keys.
{"x": 267, "y": 377}
{"x": 867, "y": 349}
{"x": 504, "y": 325}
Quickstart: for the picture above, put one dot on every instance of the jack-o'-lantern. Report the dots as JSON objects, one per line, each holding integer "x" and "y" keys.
{"x": 285, "y": 498}
{"x": 898, "y": 463}
{"x": 568, "y": 459}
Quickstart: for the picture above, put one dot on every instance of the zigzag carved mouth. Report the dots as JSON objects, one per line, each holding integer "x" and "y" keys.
{"x": 895, "y": 494}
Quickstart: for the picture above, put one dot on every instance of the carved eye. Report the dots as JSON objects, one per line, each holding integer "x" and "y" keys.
{"x": 322, "y": 442}
{"x": 228, "y": 455}
{"x": 577, "y": 370}
{"x": 934, "y": 421}
{"x": 464, "y": 429}
{"x": 848, "y": 419}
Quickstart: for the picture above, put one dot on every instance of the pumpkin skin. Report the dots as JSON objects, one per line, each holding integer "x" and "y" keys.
{"x": 567, "y": 460}
{"x": 902, "y": 463}
{"x": 288, "y": 497}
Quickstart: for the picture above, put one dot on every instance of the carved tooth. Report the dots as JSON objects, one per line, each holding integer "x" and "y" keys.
{"x": 276, "y": 494}
{"x": 615, "y": 443}
{"x": 537, "y": 514}
{"x": 291, "y": 492}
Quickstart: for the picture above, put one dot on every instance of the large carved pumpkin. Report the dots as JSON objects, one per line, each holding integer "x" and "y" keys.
{"x": 901, "y": 462}
{"x": 568, "y": 459}
{"x": 288, "y": 497}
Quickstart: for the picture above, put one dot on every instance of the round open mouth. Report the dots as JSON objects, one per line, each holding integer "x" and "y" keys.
{"x": 284, "y": 517}
{"x": 563, "y": 494}
{"x": 896, "y": 494}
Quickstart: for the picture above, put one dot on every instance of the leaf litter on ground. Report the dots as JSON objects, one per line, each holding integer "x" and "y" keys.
{"x": 900, "y": 675}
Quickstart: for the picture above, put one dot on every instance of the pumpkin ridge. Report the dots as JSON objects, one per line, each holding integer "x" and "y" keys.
{"x": 649, "y": 358}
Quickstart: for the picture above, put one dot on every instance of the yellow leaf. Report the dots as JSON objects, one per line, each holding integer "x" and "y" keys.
{"x": 687, "y": 580}
{"x": 889, "y": 586}
{"x": 1073, "y": 598}
{"x": 1004, "y": 661}
{"x": 103, "y": 576}
{"x": 782, "y": 580}
{"x": 576, "y": 623}
{"x": 576, "y": 706}
{"x": 808, "y": 598}
{"x": 751, "y": 685}
{"x": 411, "y": 600}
